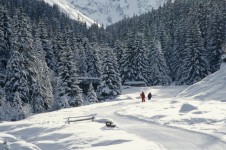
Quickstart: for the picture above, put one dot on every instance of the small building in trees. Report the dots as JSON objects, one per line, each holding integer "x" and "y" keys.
{"x": 135, "y": 83}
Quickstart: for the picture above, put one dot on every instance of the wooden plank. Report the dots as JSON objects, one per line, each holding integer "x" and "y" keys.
{"x": 83, "y": 116}
{"x": 82, "y": 119}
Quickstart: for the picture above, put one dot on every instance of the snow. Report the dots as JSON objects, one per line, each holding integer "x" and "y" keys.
{"x": 3, "y": 144}
{"x": 187, "y": 108}
{"x": 107, "y": 12}
{"x": 70, "y": 10}
{"x": 50, "y": 131}
{"x": 211, "y": 88}
{"x": 177, "y": 117}
{"x": 104, "y": 11}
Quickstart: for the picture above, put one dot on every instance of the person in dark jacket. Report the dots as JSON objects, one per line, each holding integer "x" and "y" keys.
{"x": 149, "y": 96}
{"x": 142, "y": 95}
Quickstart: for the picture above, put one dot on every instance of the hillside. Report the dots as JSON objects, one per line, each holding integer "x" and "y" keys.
{"x": 107, "y": 12}
{"x": 71, "y": 11}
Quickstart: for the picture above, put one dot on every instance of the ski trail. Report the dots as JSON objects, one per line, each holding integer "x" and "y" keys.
{"x": 170, "y": 138}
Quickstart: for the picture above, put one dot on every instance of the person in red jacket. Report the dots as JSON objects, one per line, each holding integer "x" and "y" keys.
{"x": 142, "y": 95}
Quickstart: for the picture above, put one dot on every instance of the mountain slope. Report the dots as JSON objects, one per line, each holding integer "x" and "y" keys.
{"x": 71, "y": 11}
{"x": 110, "y": 11}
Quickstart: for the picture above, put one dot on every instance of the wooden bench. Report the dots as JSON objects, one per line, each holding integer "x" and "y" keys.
{"x": 81, "y": 118}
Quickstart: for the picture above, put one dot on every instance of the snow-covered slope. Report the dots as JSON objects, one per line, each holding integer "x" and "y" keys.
{"x": 69, "y": 9}
{"x": 110, "y": 11}
{"x": 212, "y": 87}
{"x": 139, "y": 125}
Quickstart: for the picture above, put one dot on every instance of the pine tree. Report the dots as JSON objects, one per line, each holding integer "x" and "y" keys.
{"x": 139, "y": 60}
{"x": 215, "y": 39}
{"x": 158, "y": 69}
{"x": 166, "y": 46}
{"x": 110, "y": 78}
{"x": 91, "y": 95}
{"x": 195, "y": 64}
{"x": 47, "y": 47}
{"x": 17, "y": 112}
{"x": 26, "y": 69}
{"x": 93, "y": 59}
{"x": 5, "y": 43}
{"x": 69, "y": 92}
{"x": 134, "y": 61}
{"x": 178, "y": 50}
{"x": 118, "y": 50}
{"x": 94, "y": 65}
{"x": 125, "y": 61}
{"x": 16, "y": 78}
{"x": 3, "y": 110}
{"x": 41, "y": 84}
{"x": 82, "y": 66}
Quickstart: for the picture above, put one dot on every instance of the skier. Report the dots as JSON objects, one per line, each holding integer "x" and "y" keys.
{"x": 149, "y": 96}
{"x": 142, "y": 95}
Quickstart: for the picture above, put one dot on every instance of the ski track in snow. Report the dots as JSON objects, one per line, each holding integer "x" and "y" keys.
{"x": 169, "y": 137}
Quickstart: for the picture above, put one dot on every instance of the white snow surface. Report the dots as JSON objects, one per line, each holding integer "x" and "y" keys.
{"x": 107, "y": 12}
{"x": 71, "y": 11}
{"x": 211, "y": 88}
{"x": 157, "y": 124}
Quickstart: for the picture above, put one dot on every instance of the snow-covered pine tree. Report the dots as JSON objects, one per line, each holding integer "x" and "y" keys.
{"x": 215, "y": 38}
{"x": 125, "y": 62}
{"x": 62, "y": 101}
{"x": 118, "y": 50}
{"x": 3, "y": 51}
{"x": 163, "y": 39}
{"x": 177, "y": 53}
{"x": 27, "y": 72}
{"x": 91, "y": 95}
{"x": 5, "y": 43}
{"x": 202, "y": 13}
{"x": 16, "y": 78}
{"x": 81, "y": 58}
{"x": 17, "y": 112}
{"x": 158, "y": 69}
{"x": 19, "y": 68}
{"x": 176, "y": 60}
{"x": 195, "y": 64}
{"x": 139, "y": 63}
{"x": 16, "y": 88}
{"x": 69, "y": 91}
{"x": 134, "y": 60}
{"x": 93, "y": 58}
{"x": 41, "y": 84}
{"x": 3, "y": 110}
{"x": 82, "y": 66}
{"x": 47, "y": 46}
{"x": 118, "y": 83}
{"x": 110, "y": 78}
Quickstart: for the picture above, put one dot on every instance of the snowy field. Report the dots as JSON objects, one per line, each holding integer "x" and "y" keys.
{"x": 188, "y": 118}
